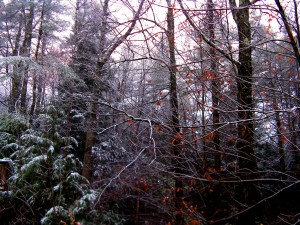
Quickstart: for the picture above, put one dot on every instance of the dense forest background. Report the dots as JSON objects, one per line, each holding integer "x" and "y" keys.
{"x": 152, "y": 112}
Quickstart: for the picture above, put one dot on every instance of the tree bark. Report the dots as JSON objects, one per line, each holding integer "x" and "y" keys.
{"x": 25, "y": 51}
{"x": 279, "y": 125}
{"x": 16, "y": 79}
{"x": 176, "y": 143}
{"x": 34, "y": 86}
{"x": 244, "y": 145}
{"x": 246, "y": 157}
{"x": 215, "y": 85}
{"x": 296, "y": 48}
{"x": 91, "y": 134}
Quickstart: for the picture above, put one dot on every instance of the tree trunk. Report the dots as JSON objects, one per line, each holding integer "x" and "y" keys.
{"x": 91, "y": 134}
{"x": 293, "y": 39}
{"x": 40, "y": 94}
{"x": 204, "y": 132}
{"x": 279, "y": 125}
{"x": 176, "y": 143}
{"x": 215, "y": 85}
{"x": 247, "y": 194}
{"x": 203, "y": 103}
{"x": 34, "y": 86}
{"x": 279, "y": 137}
{"x": 25, "y": 51}
{"x": 16, "y": 79}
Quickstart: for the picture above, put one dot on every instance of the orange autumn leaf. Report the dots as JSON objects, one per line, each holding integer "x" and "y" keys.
{"x": 158, "y": 129}
{"x": 164, "y": 200}
{"x": 196, "y": 139}
{"x": 291, "y": 60}
{"x": 180, "y": 135}
{"x": 132, "y": 126}
{"x": 192, "y": 182}
{"x": 279, "y": 56}
{"x": 209, "y": 75}
{"x": 174, "y": 141}
{"x": 195, "y": 222}
{"x": 176, "y": 213}
{"x": 207, "y": 176}
{"x": 244, "y": 129}
{"x": 231, "y": 140}
{"x": 208, "y": 136}
{"x": 212, "y": 170}
{"x": 283, "y": 139}
{"x": 230, "y": 81}
{"x": 179, "y": 189}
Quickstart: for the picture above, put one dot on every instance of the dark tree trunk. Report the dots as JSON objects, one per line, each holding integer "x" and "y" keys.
{"x": 40, "y": 94}
{"x": 294, "y": 42}
{"x": 215, "y": 86}
{"x": 16, "y": 79}
{"x": 91, "y": 134}
{"x": 279, "y": 137}
{"x": 34, "y": 86}
{"x": 176, "y": 143}
{"x": 279, "y": 125}
{"x": 25, "y": 51}
{"x": 247, "y": 194}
